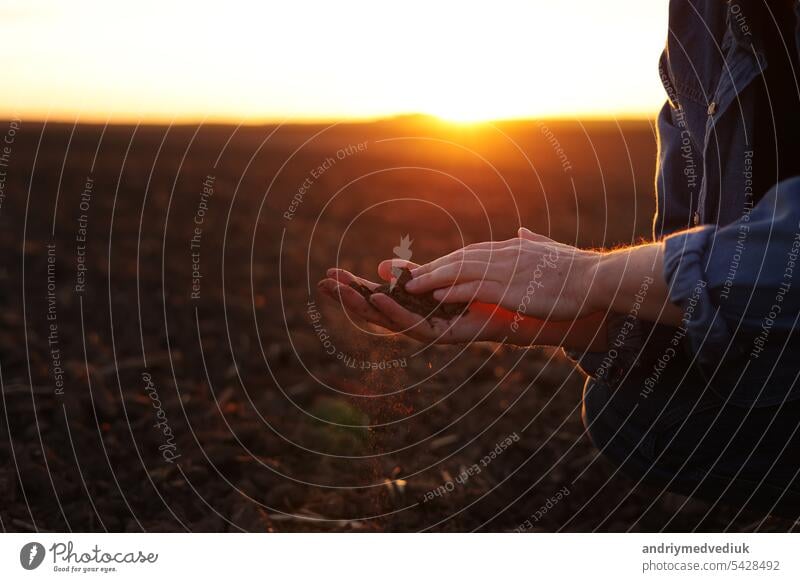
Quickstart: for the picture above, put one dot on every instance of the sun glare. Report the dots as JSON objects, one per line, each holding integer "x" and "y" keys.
{"x": 460, "y": 61}
{"x": 466, "y": 115}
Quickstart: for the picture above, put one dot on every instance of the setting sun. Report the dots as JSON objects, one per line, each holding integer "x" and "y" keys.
{"x": 162, "y": 61}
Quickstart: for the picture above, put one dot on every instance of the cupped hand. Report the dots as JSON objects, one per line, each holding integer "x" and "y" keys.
{"x": 483, "y": 322}
{"x": 531, "y": 275}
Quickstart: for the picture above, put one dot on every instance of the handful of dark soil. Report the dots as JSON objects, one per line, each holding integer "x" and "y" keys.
{"x": 423, "y": 304}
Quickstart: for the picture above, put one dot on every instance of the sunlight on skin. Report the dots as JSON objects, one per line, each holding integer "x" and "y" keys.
{"x": 483, "y": 322}
{"x": 505, "y": 276}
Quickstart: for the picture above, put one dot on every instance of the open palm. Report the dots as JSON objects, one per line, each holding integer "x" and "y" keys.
{"x": 483, "y": 322}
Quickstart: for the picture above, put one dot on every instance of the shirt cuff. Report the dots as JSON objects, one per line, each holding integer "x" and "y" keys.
{"x": 685, "y": 255}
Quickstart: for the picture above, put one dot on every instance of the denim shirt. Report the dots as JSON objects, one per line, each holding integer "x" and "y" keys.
{"x": 732, "y": 254}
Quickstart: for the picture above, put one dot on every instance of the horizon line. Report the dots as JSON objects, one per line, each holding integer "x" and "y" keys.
{"x": 251, "y": 122}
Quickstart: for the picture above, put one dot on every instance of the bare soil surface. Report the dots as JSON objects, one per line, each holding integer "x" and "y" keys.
{"x": 166, "y": 364}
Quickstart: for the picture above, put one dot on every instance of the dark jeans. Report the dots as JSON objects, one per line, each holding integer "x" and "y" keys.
{"x": 683, "y": 437}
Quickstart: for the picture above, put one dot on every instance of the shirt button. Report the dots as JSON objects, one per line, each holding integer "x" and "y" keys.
{"x": 696, "y": 218}
{"x": 712, "y": 109}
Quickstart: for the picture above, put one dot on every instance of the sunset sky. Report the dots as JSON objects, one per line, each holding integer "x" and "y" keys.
{"x": 241, "y": 60}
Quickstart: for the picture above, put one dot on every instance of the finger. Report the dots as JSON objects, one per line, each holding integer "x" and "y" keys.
{"x": 480, "y": 251}
{"x": 327, "y": 287}
{"x": 435, "y": 330}
{"x": 450, "y": 274}
{"x": 357, "y": 305}
{"x": 346, "y": 277}
{"x": 491, "y": 244}
{"x": 484, "y": 291}
{"x": 385, "y": 267}
{"x": 530, "y": 235}
{"x": 402, "y": 319}
{"x": 353, "y": 303}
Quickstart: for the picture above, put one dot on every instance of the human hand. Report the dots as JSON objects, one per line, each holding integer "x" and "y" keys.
{"x": 531, "y": 275}
{"x": 482, "y": 322}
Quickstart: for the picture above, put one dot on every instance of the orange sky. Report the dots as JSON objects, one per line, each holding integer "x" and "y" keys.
{"x": 237, "y": 60}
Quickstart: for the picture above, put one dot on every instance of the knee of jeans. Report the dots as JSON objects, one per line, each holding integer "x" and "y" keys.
{"x": 614, "y": 436}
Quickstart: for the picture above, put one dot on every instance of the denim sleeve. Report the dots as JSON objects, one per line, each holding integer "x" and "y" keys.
{"x": 678, "y": 173}
{"x": 735, "y": 284}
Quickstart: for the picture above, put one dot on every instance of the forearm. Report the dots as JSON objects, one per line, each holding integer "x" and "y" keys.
{"x": 627, "y": 281}
{"x": 631, "y": 281}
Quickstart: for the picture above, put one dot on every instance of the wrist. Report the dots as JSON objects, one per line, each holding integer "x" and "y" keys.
{"x": 602, "y": 282}
{"x": 631, "y": 280}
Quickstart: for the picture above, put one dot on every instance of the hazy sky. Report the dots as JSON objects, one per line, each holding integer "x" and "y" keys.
{"x": 239, "y": 60}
